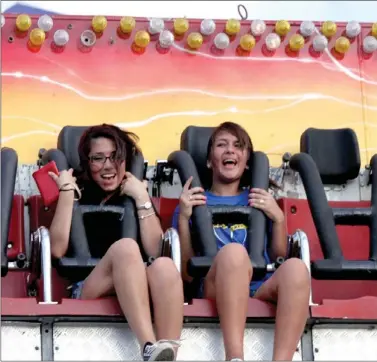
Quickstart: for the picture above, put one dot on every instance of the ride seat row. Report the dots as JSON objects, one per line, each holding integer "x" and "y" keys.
{"x": 326, "y": 157}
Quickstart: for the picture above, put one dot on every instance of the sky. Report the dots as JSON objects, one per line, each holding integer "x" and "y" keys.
{"x": 363, "y": 11}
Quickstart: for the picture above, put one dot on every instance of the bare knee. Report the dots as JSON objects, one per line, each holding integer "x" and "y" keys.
{"x": 163, "y": 270}
{"x": 125, "y": 249}
{"x": 294, "y": 274}
{"x": 233, "y": 257}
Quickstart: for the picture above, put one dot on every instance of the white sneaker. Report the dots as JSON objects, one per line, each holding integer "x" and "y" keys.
{"x": 160, "y": 351}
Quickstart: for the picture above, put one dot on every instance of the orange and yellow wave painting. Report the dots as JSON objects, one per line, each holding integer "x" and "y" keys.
{"x": 275, "y": 96}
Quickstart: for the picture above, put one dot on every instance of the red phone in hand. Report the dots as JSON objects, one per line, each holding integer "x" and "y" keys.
{"x": 46, "y": 185}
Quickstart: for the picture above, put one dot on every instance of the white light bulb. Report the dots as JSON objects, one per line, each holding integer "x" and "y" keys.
{"x": 258, "y": 27}
{"x": 273, "y": 41}
{"x": 307, "y": 28}
{"x": 61, "y": 37}
{"x": 207, "y": 27}
{"x": 156, "y": 26}
{"x": 2, "y": 20}
{"x": 45, "y": 23}
{"x": 353, "y": 29}
{"x": 166, "y": 39}
{"x": 369, "y": 44}
{"x": 221, "y": 41}
{"x": 320, "y": 43}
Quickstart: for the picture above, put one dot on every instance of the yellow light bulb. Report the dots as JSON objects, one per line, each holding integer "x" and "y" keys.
{"x": 342, "y": 45}
{"x": 374, "y": 30}
{"x": 195, "y": 40}
{"x": 37, "y": 37}
{"x": 142, "y": 38}
{"x": 232, "y": 27}
{"x": 296, "y": 42}
{"x": 181, "y": 26}
{"x": 329, "y": 29}
{"x": 282, "y": 27}
{"x": 127, "y": 24}
{"x": 247, "y": 42}
{"x": 99, "y": 24}
{"x": 23, "y": 22}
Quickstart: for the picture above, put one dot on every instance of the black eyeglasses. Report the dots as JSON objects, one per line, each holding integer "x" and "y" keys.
{"x": 101, "y": 159}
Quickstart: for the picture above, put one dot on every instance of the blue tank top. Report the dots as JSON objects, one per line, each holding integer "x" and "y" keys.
{"x": 236, "y": 233}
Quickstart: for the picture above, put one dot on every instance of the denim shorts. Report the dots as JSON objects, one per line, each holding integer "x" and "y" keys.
{"x": 76, "y": 289}
{"x": 200, "y": 294}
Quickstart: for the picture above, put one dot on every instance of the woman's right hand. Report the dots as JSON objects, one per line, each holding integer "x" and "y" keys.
{"x": 65, "y": 179}
{"x": 189, "y": 198}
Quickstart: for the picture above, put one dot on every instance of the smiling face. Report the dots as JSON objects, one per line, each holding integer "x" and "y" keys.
{"x": 228, "y": 158}
{"x": 107, "y": 173}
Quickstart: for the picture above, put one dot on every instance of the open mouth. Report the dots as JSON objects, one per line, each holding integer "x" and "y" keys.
{"x": 229, "y": 162}
{"x": 108, "y": 176}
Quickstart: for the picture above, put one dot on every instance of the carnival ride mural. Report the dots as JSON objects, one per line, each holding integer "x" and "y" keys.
{"x": 156, "y": 77}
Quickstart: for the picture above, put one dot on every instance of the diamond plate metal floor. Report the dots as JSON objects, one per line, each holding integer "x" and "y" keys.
{"x": 344, "y": 342}
{"x": 117, "y": 342}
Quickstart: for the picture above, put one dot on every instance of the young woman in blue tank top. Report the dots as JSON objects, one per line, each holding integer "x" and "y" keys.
{"x": 228, "y": 281}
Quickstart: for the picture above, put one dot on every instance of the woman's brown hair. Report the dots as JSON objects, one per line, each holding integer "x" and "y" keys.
{"x": 245, "y": 142}
{"x": 125, "y": 146}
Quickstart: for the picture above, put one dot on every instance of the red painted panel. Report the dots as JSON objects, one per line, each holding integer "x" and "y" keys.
{"x": 39, "y": 214}
{"x": 354, "y": 241}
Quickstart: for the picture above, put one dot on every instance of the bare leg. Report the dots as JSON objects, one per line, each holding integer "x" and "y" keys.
{"x": 122, "y": 269}
{"x": 166, "y": 289}
{"x": 289, "y": 286}
{"x": 228, "y": 283}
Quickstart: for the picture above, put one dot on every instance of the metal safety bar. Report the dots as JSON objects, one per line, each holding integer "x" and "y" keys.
{"x": 301, "y": 240}
{"x": 171, "y": 247}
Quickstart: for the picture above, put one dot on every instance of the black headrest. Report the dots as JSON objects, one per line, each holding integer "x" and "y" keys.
{"x": 68, "y": 143}
{"x": 335, "y": 152}
{"x": 194, "y": 140}
{"x": 9, "y": 160}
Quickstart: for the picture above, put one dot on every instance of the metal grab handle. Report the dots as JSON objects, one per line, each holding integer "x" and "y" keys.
{"x": 41, "y": 263}
{"x": 301, "y": 240}
{"x": 171, "y": 247}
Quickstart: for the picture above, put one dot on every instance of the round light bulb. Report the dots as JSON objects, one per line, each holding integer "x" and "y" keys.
{"x": 273, "y": 41}
{"x": 23, "y": 22}
{"x": 45, "y": 23}
{"x": 307, "y": 28}
{"x": 195, "y": 40}
{"x": 61, "y": 37}
{"x": 166, "y": 39}
{"x": 221, "y": 41}
{"x": 232, "y": 27}
{"x": 127, "y": 24}
{"x": 247, "y": 42}
{"x": 99, "y": 24}
{"x": 353, "y": 29}
{"x": 282, "y": 27}
{"x": 207, "y": 27}
{"x": 369, "y": 44}
{"x": 374, "y": 30}
{"x": 37, "y": 37}
{"x": 296, "y": 42}
{"x": 329, "y": 28}
{"x": 257, "y": 27}
{"x": 2, "y": 20}
{"x": 320, "y": 43}
{"x": 342, "y": 44}
{"x": 180, "y": 26}
{"x": 142, "y": 39}
{"x": 156, "y": 26}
